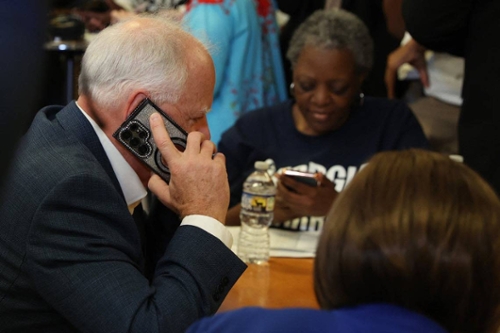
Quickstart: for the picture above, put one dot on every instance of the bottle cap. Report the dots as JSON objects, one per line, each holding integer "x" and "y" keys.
{"x": 261, "y": 165}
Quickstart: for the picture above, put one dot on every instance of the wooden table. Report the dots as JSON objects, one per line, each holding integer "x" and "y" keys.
{"x": 283, "y": 282}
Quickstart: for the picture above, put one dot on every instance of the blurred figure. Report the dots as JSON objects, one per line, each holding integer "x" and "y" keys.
{"x": 411, "y": 245}
{"x": 249, "y": 71}
{"x": 466, "y": 29}
{"x": 98, "y": 14}
{"x": 329, "y": 128}
{"x": 437, "y": 104}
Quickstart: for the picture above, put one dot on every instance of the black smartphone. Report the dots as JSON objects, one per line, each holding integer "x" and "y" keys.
{"x": 307, "y": 178}
{"x": 135, "y": 134}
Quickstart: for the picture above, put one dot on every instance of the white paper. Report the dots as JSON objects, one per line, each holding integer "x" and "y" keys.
{"x": 292, "y": 244}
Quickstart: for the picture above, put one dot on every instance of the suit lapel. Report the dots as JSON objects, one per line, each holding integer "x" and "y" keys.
{"x": 73, "y": 121}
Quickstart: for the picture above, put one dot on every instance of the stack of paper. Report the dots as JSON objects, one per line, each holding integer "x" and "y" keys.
{"x": 294, "y": 244}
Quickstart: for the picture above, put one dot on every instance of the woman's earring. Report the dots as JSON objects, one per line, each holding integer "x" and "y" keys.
{"x": 292, "y": 91}
{"x": 358, "y": 100}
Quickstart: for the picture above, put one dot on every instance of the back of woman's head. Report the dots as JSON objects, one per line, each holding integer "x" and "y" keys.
{"x": 418, "y": 230}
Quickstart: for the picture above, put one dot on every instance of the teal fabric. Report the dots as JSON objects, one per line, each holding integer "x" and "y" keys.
{"x": 243, "y": 39}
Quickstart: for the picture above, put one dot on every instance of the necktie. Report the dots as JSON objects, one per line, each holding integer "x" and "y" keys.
{"x": 132, "y": 206}
{"x": 140, "y": 221}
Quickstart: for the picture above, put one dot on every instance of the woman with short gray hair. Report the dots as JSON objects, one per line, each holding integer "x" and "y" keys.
{"x": 334, "y": 29}
{"x": 329, "y": 128}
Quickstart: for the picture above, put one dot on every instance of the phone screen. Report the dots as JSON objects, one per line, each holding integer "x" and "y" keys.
{"x": 303, "y": 177}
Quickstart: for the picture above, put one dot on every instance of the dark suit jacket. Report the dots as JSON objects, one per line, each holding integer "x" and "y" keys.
{"x": 70, "y": 252}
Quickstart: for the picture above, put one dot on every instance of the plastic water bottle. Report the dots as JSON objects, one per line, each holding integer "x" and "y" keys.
{"x": 257, "y": 206}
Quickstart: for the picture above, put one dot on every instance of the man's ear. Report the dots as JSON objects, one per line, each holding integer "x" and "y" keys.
{"x": 134, "y": 100}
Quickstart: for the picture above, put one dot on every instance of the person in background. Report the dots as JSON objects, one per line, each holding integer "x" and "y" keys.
{"x": 140, "y": 6}
{"x": 466, "y": 30}
{"x": 249, "y": 71}
{"x": 73, "y": 258}
{"x": 411, "y": 245}
{"x": 382, "y": 17}
{"x": 329, "y": 128}
{"x": 437, "y": 105}
{"x": 98, "y": 14}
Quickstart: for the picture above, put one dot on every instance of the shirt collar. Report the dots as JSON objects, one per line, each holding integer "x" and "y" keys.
{"x": 130, "y": 183}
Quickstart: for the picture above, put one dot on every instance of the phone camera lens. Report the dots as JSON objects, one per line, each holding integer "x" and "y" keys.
{"x": 179, "y": 143}
{"x": 134, "y": 142}
{"x": 126, "y": 135}
{"x": 134, "y": 127}
{"x": 143, "y": 150}
{"x": 142, "y": 134}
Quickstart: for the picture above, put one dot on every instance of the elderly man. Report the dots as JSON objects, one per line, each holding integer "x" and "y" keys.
{"x": 72, "y": 257}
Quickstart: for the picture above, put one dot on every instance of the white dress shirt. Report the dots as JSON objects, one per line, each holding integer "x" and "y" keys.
{"x": 134, "y": 190}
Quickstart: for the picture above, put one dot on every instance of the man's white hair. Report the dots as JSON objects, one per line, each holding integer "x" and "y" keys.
{"x": 146, "y": 52}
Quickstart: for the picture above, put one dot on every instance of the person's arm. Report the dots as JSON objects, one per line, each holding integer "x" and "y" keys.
{"x": 394, "y": 17}
{"x": 439, "y": 25}
{"x": 233, "y": 215}
{"x": 412, "y": 53}
{"x": 289, "y": 205}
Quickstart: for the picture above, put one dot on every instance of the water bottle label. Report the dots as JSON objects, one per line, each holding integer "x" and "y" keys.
{"x": 257, "y": 203}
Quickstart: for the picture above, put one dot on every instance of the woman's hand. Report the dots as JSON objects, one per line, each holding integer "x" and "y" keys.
{"x": 295, "y": 199}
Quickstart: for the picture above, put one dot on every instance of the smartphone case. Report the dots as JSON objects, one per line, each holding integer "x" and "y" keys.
{"x": 136, "y": 135}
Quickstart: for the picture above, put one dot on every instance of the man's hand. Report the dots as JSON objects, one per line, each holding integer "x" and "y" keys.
{"x": 198, "y": 182}
{"x": 295, "y": 199}
{"x": 412, "y": 53}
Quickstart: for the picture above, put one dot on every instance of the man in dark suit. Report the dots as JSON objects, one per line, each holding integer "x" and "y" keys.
{"x": 72, "y": 256}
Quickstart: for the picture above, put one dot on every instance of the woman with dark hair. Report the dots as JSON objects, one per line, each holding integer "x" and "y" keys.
{"x": 411, "y": 245}
{"x": 329, "y": 128}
